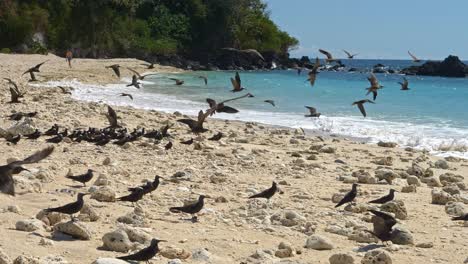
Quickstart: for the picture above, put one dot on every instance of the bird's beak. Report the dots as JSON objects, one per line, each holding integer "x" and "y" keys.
{"x": 162, "y": 240}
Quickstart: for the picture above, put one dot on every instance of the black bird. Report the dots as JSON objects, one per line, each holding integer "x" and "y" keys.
{"x": 7, "y": 171}
{"x": 148, "y": 187}
{"x": 237, "y": 84}
{"x": 71, "y": 208}
{"x": 134, "y": 82}
{"x": 52, "y": 131}
{"x": 135, "y": 196}
{"x": 20, "y": 115}
{"x": 83, "y": 178}
{"x": 177, "y": 81}
{"x": 387, "y": 198}
{"x": 191, "y": 208}
{"x": 112, "y": 117}
{"x": 115, "y": 68}
{"x": 57, "y": 139}
{"x": 270, "y": 102}
{"x": 204, "y": 79}
{"x": 313, "y": 73}
{"x": 385, "y": 234}
{"x": 104, "y": 141}
{"x": 145, "y": 254}
{"x": 140, "y": 76}
{"x": 222, "y": 108}
{"x": 360, "y": 105}
{"x": 267, "y": 194}
{"x": 312, "y": 112}
{"x": 13, "y": 139}
{"x": 461, "y": 218}
{"x": 197, "y": 126}
{"x": 34, "y": 135}
{"x": 216, "y": 137}
{"x": 148, "y": 65}
{"x": 15, "y": 95}
{"x": 349, "y": 197}
{"x": 127, "y": 94}
{"x": 350, "y": 56}
{"x": 32, "y": 70}
{"x": 168, "y": 146}
{"x": 187, "y": 142}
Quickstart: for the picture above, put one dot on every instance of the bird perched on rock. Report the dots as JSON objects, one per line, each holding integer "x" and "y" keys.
{"x": 115, "y": 68}
{"x": 350, "y": 56}
{"x": 83, "y": 178}
{"x": 135, "y": 196}
{"x": 149, "y": 187}
{"x": 313, "y": 73}
{"x": 312, "y": 112}
{"x": 375, "y": 85}
{"x": 32, "y": 70}
{"x": 236, "y": 83}
{"x": 349, "y": 197}
{"x": 461, "y": 218}
{"x": 145, "y": 254}
{"x": 387, "y": 198}
{"x": 191, "y": 209}
{"x": 71, "y": 208}
{"x": 383, "y": 231}
{"x": 360, "y": 105}
{"x": 404, "y": 84}
{"x": 267, "y": 194}
{"x": 127, "y": 94}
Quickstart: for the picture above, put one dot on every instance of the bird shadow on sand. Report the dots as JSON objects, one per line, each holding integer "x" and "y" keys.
{"x": 76, "y": 186}
{"x": 369, "y": 247}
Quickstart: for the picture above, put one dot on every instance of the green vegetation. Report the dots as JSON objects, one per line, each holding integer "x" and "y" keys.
{"x": 139, "y": 27}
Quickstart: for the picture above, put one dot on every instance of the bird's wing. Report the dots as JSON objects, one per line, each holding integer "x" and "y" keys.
{"x": 347, "y": 53}
{"x": 204, "y": 79}
{"x": 14, "y": 94}
{"x": 412, "y": 56}
{"x": 389, "y": 220}
{"x": 36, "y": 157}
{"x": 116, "y": 70}
{"x": 190, "y": 122}
{"x": 235, "y": 84}
{"x": 135, "y": 72}
{"x": 228, "y": 109}
{"x": 211, "y": 102}
{"x": 236, "y": 98}
{"x": 7, "y": 184}
{"x": 112, "y": 117}
{"x": 362, "y": 109}
{"x": 316, "y": 65}
{"x": 312, "y": 110}
{"x": 373, "y": 80}
{"x": 255, "y": 52}
{"x": 405, "y": 81}
{"x": 326, "y": 53}
{"x": 238, "y": 79}
{"x": 40, "y": 64}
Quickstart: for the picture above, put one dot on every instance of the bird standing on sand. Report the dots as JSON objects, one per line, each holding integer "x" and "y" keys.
{"x": 149, "y": 186}
{"x": 35, "y": 135}
{"x": 415, "y": 59}
{"x": 115, "y": 68}
{"x": 375, "y": 85}
{"x": 135, "y": 196}
{"x": 312, "y": 112}
{"x": 83, "y": 178}
{"x": 112, "y": 117}
{"x": 350, "y": 56}
{"x": 134, "y": 82}
{"x": 385, "y": 233}
{"x": 349, "y": 197}
{"x": 404, "y": 84}
{"x": 387, "y": 198}
{"x": 360, "y": 105}
{"x": 192, "y": 209}
{"x": 7, "y": 171}
{"x": 461, "y": 218}
{"x": 71, "y": 208}
{"x": 313, "y": 73}
{"x": 236, "y": 83}
{"x": 145, "y": 254}
{"x": 267, "y": 194}
{"x": 329, "y": 56}
{"x": 34, "y": 69}
{"x": 127, "y": 94}
{"x": 177, "y": 81}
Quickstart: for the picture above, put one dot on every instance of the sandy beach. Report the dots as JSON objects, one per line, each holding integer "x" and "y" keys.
{"x": 310, "y": 171}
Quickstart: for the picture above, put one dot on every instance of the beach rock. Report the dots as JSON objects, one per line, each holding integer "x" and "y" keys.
{"x": 109, "y": 261}
{"x": 387, "y": 144}
{"x": 102, "y": 180}
{"x": 415, "y": 170}
{"x": 361, "y": 236}
{"x": 337, "y": 197}
{"x": 117, "y": 241}
{"x": 386, "y": 161}
{"x": 377, "y": 256}
{"x": 451, "y": 66}
{"x": 285, "y": 250}
{"x": 448, "y": 178}
{"x": 358, "y": 207}
{"x": 455, "y": 208}
{"x": 107, "y": 161}
{"x": 425, "y": 245}
{"x": 181, "y": 176}
{"x": 441, "y": 164}
{"x": 413, "y": 180}
{"x": 341, "y": 258}
{"x": 396, "y": 207}
{"x": 432, "y": 182}
{"x": 409, "y": 189}
{"x": 318, "y": 243}
{"x": 46, "y": 242}
{"x": 12, "y": 209}
{"x": 175, "y": 253}
{"x": 135, "y": 218}
{"x": 201, "y": 255}
{"x": 4, "y": 259}
{"x": 327, "y": 149}
{"x": 364, "y": 177}
{"x": 24, "y": 127}
{"x": 29, "y": 225}
{"x": 75, "y": 229}
{"x": 451, "y": 189}
{"x": 88, "y": 214}
{"x": 136, "y": 234}
{"x": 287, "y": 218}
{"x": 387, "y": 175}
{"x": 441, "y": 197}
{"x": 27, "y": 260}
{"x": 54, "y": 259}
{"x": 104, "y": 194}
{"x": 401, "y": 236}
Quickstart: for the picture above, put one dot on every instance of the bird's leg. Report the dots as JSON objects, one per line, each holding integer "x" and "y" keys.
{"x": 194, "y": 218}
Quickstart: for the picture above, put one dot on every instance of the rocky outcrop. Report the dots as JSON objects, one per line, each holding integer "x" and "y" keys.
{"x": 450, "y": 67}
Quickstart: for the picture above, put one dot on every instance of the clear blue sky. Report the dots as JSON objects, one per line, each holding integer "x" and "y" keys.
{"x": 431, "y": 29}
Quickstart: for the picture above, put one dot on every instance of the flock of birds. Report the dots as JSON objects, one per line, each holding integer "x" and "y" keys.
{"x": 119, "y": 135}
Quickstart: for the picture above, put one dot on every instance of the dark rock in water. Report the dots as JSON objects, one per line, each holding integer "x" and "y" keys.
{"x": 353, "y": 70}
{"x": 450, "y": 67}
{"x": 305, "y": 59}
{"x": 379, "y": 65}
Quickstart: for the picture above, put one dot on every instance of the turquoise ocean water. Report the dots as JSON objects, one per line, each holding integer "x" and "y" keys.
{"x": 432, "y": 115}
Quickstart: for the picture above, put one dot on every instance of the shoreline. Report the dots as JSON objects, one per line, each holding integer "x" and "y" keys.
{"x": 244, "y": 162}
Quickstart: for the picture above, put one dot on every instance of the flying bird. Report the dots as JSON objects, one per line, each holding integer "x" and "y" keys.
{"x": 34, "y": 69}
{"x": 140, "y": 76}
{"x": 267, "y": 194}
{"x": 221, "y": 108}
{"x": 148, "y": 65}
{"x": 145, "y": 254}
{"x": 71, "y": 208}
{"x": 197, "y": 125}
{"x": 350, "y": 56}
{"x": 205, "y": 79}
{"x": 192, "y": 209}
{"x": 127, "y": 94}
{"x": 83, "y": 178}
{"x": 247, "y": 51}
{"x": 415, "y": 59}
{"x": 270, "y": 102}
{"x": 349, "y": 197}
{"x": 112, "y": 117}
{"x": 7, "y": 171}
{"x": 387, "y": 198}
{"x": 115, "y": 68}
{"x": 329, "y": 56}
{"x": 236, "y": 83}
{"x": 360, "y": 105}
{"x": 375, "y": 85}
{"x": 312, "y": 112}
{"x": 404, "y": 84}
{"x": 313, "y": 73}
{"x": 134, "y": 82}
{"x": 177, "y": 81}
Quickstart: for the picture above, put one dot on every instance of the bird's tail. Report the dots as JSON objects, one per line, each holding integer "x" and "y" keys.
{"x": 458, "y": 218}
{"x": 370, "y": 232}
{"x": 174, "y": 209}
